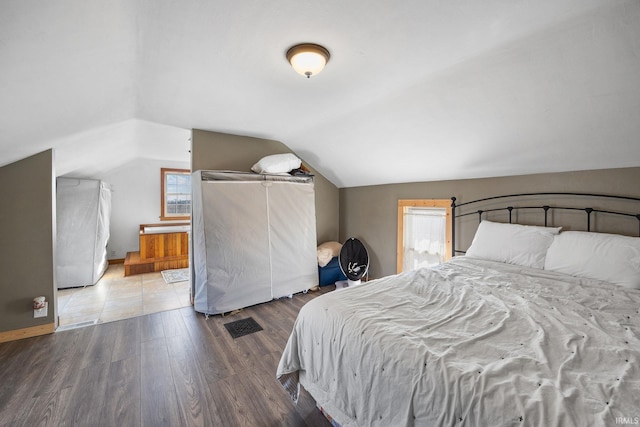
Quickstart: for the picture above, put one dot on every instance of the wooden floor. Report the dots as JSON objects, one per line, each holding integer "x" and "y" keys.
{"x": 173, "y": 368}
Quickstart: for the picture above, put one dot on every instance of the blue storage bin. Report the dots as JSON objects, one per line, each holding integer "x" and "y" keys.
{"x": 330, "y": 273}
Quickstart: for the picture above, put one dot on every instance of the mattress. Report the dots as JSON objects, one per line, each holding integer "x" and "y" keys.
{"x": 470, "y": 342}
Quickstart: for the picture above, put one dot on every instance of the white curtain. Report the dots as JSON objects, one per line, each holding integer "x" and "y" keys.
{"x": 424, "y": 237}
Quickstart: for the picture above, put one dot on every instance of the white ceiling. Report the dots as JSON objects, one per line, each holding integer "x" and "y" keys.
{"x": 416, "y": 90}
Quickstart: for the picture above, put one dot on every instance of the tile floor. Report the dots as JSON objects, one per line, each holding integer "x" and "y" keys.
{"x": 116, "y": 297}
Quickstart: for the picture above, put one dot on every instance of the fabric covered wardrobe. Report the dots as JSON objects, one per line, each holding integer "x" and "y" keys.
{"x": 254, "y": 238}
{"x": 83, "y": 212}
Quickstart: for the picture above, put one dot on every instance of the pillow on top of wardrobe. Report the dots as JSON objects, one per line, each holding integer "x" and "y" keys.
{"x": 277, "y": 163}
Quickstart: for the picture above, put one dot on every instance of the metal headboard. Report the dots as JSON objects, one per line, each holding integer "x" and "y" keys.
{"x": 545, "y": 208}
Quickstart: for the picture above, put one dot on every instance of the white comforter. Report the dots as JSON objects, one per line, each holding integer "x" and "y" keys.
{"x": 473, "y": 343}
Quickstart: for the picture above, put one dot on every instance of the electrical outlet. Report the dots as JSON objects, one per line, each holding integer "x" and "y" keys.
{"x": 42, "y": 312}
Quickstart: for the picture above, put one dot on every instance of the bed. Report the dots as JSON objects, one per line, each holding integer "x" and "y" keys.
{"x": 534, "y": 325}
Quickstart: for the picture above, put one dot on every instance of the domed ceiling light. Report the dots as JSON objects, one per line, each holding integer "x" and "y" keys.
{"x": 308, "y": 59}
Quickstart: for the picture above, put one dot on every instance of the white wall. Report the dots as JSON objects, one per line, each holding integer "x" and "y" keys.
{"x": 135, "y": 200}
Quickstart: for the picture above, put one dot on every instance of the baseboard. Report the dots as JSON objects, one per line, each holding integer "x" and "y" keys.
{"x": 33, "y": 331}
{"x": 116, "y": 261}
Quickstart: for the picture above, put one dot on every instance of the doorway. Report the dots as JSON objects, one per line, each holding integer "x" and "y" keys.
{"x": 136, "y": 199}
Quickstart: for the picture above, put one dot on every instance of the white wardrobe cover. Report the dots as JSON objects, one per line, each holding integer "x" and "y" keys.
{"x": 254, "y": 238}
{"x": 83, "y": 210}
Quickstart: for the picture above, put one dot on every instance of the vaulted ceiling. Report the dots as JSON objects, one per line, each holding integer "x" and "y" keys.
{"x": 415, "y": 90}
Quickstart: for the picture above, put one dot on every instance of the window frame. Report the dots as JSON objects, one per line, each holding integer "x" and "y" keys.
{"x": 163, "y": 179}
{"x": 403, "y": 204}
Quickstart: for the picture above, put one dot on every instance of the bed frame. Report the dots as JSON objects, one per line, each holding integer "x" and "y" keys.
{"x": 462, "y": 209}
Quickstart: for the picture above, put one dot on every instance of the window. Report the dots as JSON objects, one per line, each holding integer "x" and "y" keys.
{"x": 175, "y": 194}
{"x": 424, "y": 233}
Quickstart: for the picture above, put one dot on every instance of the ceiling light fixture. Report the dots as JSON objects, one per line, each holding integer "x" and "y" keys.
{"x": 308, "y": 59}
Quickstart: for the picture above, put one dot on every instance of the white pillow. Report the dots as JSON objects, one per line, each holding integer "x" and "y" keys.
{"x": 328, "y": 251}
{"x": 277, "y": 163}
{"x": 524, "y": 245}
{"x": 608, "y": 257}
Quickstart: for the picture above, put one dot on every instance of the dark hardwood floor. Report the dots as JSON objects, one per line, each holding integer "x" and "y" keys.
{"x": 174, "y": 368}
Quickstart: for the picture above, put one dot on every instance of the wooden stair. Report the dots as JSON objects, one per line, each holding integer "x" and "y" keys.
{"x": 158, "y": 251}
{"x": 133, "y": 264}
